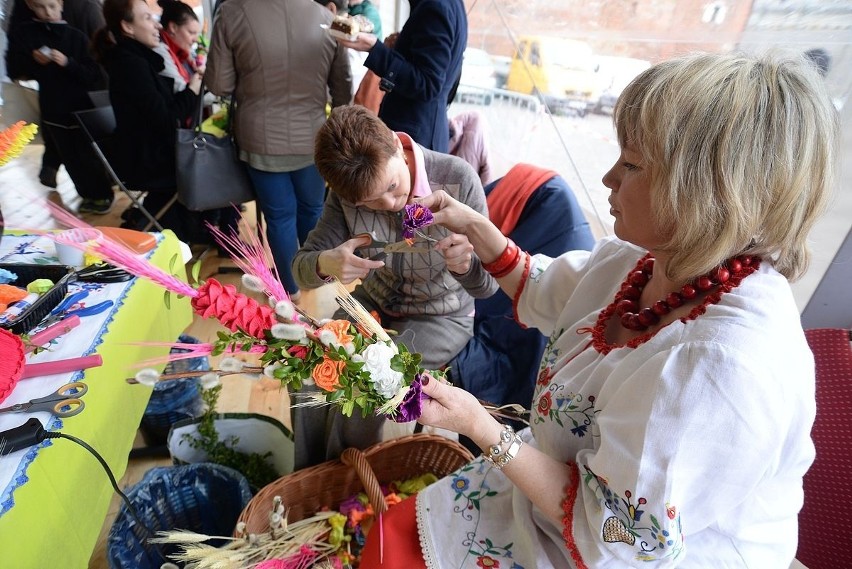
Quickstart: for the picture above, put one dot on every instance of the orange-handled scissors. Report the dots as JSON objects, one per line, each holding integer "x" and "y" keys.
{"x": 64, "y": 402}
{"x": 386, "y": 247}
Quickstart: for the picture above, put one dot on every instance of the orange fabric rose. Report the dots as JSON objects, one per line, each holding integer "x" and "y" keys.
{"x": 340, "y": 329}
{"x": 325, "y": 374}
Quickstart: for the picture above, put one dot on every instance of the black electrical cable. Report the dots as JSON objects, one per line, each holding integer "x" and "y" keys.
{"x": 130, "y": 508}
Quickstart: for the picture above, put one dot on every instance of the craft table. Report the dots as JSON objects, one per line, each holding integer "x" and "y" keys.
{"x": 55, "y": 495}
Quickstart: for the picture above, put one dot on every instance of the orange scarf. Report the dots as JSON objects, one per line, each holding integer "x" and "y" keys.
{"x": 507, "y": 200}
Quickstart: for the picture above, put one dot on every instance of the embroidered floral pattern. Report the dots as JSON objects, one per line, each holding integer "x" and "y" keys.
{"x": 653, "y": 539}
{"x": 469, "y": 497}
{"x": 552, "y": 403}
{"x": 573, "y": 409}
{"x": 539, "y": 265}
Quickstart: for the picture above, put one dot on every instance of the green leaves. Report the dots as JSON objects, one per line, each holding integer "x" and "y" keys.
{"x": 295, "y": 362}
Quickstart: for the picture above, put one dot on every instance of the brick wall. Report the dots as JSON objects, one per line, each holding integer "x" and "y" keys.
{"x": 645, "y": 29}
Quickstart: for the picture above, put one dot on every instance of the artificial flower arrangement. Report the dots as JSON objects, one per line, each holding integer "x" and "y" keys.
{"x": 352, "y": 364}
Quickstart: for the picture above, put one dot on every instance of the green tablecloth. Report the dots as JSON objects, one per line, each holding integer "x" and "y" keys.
{"x": 58, "y": 513}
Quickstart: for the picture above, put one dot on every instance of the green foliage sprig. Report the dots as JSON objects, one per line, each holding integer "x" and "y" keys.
{"x": 254, "y": 466}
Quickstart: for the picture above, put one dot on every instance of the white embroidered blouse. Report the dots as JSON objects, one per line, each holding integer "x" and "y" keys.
{"x": 687, "y": 450}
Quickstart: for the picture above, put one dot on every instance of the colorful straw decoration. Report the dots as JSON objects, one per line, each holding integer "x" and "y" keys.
{"x": 13, "y": 140}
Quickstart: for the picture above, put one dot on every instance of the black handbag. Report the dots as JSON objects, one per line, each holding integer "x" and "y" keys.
{"x": 210, "y": 174}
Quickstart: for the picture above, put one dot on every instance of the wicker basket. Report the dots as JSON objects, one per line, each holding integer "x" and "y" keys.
{"x": 309, "y": 490}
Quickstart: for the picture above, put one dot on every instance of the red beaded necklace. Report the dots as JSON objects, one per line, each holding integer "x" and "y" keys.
{"x": 626, "y": 302}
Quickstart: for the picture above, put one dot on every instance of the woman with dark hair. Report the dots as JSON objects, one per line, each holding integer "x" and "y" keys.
{"x": 147, "y": 111}
{"x": 180, "y": 32}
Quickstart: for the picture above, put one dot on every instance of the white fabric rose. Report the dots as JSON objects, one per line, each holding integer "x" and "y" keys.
{"x": 377, "y": 361}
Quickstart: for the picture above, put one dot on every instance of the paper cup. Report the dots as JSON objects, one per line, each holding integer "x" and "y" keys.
{"x": 71, "y": 245}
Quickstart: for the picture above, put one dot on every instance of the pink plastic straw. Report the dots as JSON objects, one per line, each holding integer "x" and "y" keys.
{"x": 54, "y": 331}
{"x": 62, "y": 366}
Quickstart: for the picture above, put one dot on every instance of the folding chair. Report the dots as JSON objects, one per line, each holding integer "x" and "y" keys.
{"x": 825, "y": 519}
{"x": 99, "y": 125}
{"x": 100, "y": 98}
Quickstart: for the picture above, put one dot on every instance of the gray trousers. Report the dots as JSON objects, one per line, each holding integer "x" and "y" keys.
{"x": 322, "y": 433}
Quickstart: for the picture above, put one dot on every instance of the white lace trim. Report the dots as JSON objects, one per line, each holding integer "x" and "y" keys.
{"x": 429, "y": 554}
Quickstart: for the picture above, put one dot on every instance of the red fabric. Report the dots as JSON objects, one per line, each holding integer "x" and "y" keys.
{"x": 826, "y": 519}
{"x": 571, "y": 490}
{"x": 508, "y": 198}
{"x": 11, "y": 362}
{"x": 521, "y": 284}
{"x": 401, "y": 540}
{"x": 179, "y": 55}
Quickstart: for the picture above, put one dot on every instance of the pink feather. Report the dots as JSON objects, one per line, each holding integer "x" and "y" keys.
{"x": 119, "y": 255}
{"x": 252, "y": 255}
{"x": 194, "y": 351}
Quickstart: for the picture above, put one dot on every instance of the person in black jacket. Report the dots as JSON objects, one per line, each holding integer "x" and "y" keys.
{"x": 56, "y": 55}
{"x": 147, "y": 111}
{"x": 84, "y": 15}
{"x": 421, "y": 72}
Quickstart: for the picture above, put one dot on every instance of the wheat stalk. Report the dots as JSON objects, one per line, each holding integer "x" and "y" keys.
{"x": 358, "y": 313}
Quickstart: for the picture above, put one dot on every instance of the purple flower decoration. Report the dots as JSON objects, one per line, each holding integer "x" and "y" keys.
{"x": 414, "y": 217}
{"x": 353, "y": 503}
{"x": 412, "y": 404}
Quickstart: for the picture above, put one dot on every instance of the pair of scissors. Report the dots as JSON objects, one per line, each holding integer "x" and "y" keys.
{"x": 103, "y": 273}
{"x": 386, "y": 247}
{"x": 64, "y": 309}
{"x": 64, "y": 402}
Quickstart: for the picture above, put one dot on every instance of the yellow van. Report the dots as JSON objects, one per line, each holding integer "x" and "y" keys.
{"x": 561, "y": 72}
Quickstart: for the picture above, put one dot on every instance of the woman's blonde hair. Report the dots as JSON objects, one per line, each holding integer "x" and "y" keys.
{"x": 741, "y": 154}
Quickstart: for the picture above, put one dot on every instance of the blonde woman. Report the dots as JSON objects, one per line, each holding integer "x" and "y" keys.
{"x": 671, "y": 420}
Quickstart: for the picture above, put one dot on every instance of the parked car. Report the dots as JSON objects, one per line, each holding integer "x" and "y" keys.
{"x": 478, "y": 78}
{"x": 615, "y": 74}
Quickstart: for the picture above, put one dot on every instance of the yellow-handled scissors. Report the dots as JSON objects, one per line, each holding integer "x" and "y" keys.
{"x": 64, "y": 402}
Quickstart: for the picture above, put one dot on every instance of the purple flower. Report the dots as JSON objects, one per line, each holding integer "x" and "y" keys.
{"x": 414, "y": 217}
{"x": 412, "y": 404}
{"x": 351, "y": 504}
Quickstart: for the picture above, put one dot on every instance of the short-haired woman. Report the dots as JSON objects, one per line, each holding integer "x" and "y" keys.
{"x": 425, "y": 296}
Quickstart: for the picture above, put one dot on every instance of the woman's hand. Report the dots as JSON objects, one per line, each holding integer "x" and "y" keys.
{"x": 44, "y": 56}
{"x": 363, "y": 42}
{"x": 487, "y": 240}
{"x": 449, "y": 212}
{"x": 343, "y": 263}
{"x": 458, "y": 252}
{"x": 456, "y": 410}
{"x": 194, "y": 84}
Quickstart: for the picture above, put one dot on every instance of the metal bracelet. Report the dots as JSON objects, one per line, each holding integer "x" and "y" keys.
{"x": 495, "y": 452}
{"x": 510, "y": 453}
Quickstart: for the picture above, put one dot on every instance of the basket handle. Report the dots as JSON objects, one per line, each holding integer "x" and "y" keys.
{"x": 358, "y": 460}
